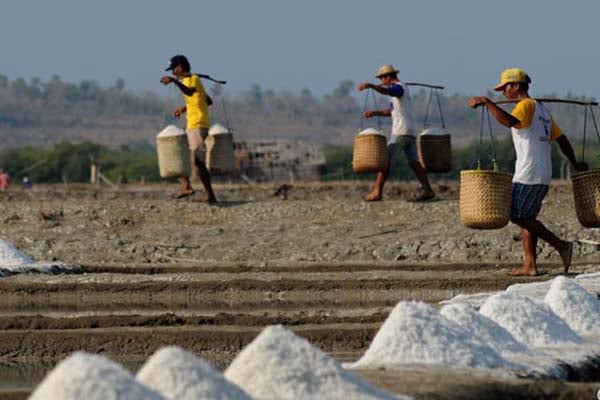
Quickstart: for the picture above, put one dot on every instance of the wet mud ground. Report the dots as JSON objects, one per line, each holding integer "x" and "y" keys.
{"x": 312, "y": 257}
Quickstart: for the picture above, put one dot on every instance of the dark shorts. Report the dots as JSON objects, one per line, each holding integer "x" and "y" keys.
{"x": 527, "y": 200}
{"x": 405, "y": 143}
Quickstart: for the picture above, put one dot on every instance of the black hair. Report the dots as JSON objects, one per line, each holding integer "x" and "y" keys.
{"x": 393, "y": 75}
{"x": 185, "y": 65}
{"x": 524, "y": 86}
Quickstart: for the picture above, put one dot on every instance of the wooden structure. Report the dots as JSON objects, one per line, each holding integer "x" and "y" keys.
{"x": 279, "y": 160}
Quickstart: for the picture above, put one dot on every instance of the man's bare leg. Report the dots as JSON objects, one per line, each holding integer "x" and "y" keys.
{"x": 421, "y": 175}
{"x": 377, "y": 192}
{"x": 204, "y": 176}
{"x": 536, "y": 228}
{"x": 186, "y": 188}
{"x": 529, "y": 267}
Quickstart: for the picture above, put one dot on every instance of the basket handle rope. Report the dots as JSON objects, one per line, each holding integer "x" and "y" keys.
{"x": 426, "y": 122}
{"x": 225, "y": 114}
{"x": 593, "y": 116}
{"x": 365, "y": 105}
{"x": 170, "y": 91}
{"x": 486, "y": 113}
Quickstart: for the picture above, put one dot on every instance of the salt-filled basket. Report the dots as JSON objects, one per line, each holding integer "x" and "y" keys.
{"x": 434, "y": 150}
{"x": 173, "y": 153}
{"x": 219, "y": 150}
{"x": 370, "y": 151}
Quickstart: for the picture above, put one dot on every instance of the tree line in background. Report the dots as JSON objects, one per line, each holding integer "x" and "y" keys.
{"x": 69, "y": 162}
{"x": 53, "y": 130}
{"x": 44, "y": 113}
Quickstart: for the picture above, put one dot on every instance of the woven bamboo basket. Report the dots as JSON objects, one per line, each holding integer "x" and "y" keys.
{"x": 370, "y": 153}
{"x": 173, "y": 156}
{"x": 219, "y": 153}
{"x": 586, "y": 191}
{"x": 435, "y": 152}
{"x": 485, "y": 198}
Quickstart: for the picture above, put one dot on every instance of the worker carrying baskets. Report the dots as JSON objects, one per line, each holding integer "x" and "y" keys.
{"x": 196, "y": 108}
{"x": 403, "y": 131}
{"x": 532, "y": 129}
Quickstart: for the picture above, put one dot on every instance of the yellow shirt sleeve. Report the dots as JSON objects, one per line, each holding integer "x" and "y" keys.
{"x": 524, "y": 111}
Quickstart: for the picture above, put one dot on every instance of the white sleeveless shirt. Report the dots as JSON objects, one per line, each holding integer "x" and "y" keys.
{"x": 533, "y": 148}
{"x": 401, "y": 108}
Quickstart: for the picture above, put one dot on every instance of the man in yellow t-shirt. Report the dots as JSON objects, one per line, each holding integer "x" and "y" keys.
{"x": 532, "y": 129}
{"x": 196, "y": 108}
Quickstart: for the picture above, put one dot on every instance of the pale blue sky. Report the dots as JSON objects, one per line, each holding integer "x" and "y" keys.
{"x": 462, "y": 44}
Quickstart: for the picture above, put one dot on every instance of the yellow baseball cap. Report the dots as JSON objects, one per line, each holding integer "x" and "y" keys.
{"x": 512, "y": 75}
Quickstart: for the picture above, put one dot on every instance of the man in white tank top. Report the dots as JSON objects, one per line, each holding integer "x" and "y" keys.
{"x": 403, "y": 132}
{"x": 532, "y": 129}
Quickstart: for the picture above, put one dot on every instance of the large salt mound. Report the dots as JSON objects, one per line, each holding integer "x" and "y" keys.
{"x": 280, "y": 365}
{"x": 179, "y": 375}
{"x": 483, "y": 328}
{"x": 579, "y": 308}
{"x": 531, "y": 322}
{"x": 415, "y": 332}
{"x": 91, "y": 377}
{"x": 10, "y": 256}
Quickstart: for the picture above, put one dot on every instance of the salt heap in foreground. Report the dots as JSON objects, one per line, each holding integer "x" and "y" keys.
{"x": 91, "y": 377}
{"x": 579, "y": 308}
{"x": 415, "y": 332}
{"x": 531, "y": 322}
{"x": 179, "y": 375}
{"x": 280, "y": 365}
{"x": 10, "y": 255}
{"x": 483, "y": 328}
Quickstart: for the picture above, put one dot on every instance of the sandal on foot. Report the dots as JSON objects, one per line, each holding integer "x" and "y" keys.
{"x": 181, "y": 194}
{"x": 422, "y": 196}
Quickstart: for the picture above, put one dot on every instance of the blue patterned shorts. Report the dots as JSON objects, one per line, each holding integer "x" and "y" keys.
{"x": 527, "y": 200}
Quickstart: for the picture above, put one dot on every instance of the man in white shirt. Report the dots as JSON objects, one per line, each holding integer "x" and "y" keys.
{"x": 532, "y": 129}
{"x": 403, "y": 131}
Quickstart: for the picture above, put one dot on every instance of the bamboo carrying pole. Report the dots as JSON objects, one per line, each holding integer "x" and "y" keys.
{"x": 427, "y": 85}
{"x": 552, "y": 100}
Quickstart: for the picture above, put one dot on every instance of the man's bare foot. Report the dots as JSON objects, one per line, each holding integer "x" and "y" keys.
{"x": 208, "y": 199}
{"x": 524, "y": 270}
{"x": 373, "y": 196}
{"x": 567, "y": 255}
{"x": 182, "y": 193}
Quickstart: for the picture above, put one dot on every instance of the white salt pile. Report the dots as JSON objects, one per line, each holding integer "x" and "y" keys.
{"x": 433, "y": 132}
{"x": 91, "y": 377}
{"x": 171, "y": 130}
{"x": 371, "y": 131}
{"x": 415, "y": 332}
{"x": 218, "y": 129}
{"x": 531, "y": 322}
{"x": 280, "y": 365}
{"x": 13, "y": 261}
{"x": 483, "y": 328}
{"x": 178, "y": 374}
{"x": 10, "y": 255}
{"x": 579, "y": 308}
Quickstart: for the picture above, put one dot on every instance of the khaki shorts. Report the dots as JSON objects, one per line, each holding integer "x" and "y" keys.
{"x": 196, "y": 137}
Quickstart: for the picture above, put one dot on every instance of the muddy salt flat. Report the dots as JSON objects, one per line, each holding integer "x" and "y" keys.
{"x": 324, "y": 264}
